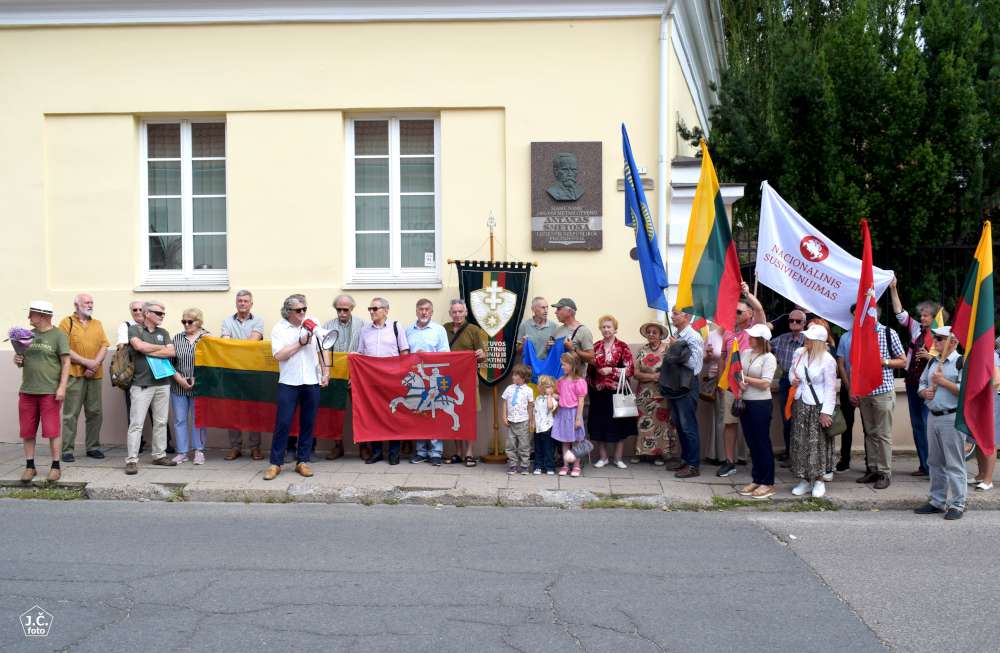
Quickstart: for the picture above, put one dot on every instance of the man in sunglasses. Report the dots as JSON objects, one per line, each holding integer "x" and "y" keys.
{"x": 149, "y": 394}
{"x": 243, "y": 325}
{"x": 382, "y": 338}
{"x": 345, "y": 331}
{"x": 300, "y": 377}
{"x": 783, "y": 347}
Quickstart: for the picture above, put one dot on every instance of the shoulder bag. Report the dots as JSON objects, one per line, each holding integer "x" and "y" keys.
{"x": 839, "y": 424}
{"x": 623, "y": 401}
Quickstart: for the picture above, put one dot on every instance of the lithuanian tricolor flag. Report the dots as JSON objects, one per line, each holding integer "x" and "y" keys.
{"x": 236, "y": 387}
{"x": 974, "y": 327}
{"x": 710, "y": 274}
{"x": 730, "y": 377}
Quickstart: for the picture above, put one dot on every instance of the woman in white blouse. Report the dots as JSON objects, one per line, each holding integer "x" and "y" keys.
{"x": 814, "y": 375}
{"x": 759, "y": 365}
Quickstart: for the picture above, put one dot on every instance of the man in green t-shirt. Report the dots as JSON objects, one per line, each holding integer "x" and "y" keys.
{"x": 149, "y": 394}
{"x": 45, "y": 365}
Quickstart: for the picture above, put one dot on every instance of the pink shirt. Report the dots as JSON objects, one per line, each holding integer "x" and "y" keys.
{"x": 570, "y": 392}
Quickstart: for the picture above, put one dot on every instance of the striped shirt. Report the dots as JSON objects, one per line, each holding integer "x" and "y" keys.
{"x": 184, "y": 362}
{"x": 890, "y": 348}
{"x": 784, "y": 347}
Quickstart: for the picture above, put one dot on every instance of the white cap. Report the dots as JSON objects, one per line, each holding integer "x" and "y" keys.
{"x": 942, "y": 331}
{"x": 815, "y": 332}
{"x": 759, "y": 331}
{"x": 41, "y": 306}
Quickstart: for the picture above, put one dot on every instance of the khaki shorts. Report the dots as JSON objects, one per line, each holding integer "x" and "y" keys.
{"x": 727, "y": 407}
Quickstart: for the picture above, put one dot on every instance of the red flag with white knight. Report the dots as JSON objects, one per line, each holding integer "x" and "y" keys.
{"x": 425, "y": 396}
{"x": 866, "y": 362}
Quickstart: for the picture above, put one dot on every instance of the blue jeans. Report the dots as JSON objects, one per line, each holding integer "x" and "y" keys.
{"x": 290, "y": 397}
{"x": 188, "y": 437}
{"x": 683, "y": 412}
{"x": 918, "y": 420}
{"x": 756, "y": 421}
{"x": 545, "y": 451}
{"x": 430, "y": 448}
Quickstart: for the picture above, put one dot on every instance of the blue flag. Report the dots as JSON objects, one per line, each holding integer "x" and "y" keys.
{"x": 654, "y": 275}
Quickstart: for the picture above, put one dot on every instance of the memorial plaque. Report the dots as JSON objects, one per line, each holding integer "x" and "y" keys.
{"x": 566, "y": 195}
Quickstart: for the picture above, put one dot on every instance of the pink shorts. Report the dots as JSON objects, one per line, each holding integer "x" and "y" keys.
{"x": 34, "y": 408}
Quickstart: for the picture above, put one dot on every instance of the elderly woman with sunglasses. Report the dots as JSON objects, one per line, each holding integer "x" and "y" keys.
{"x": 181, "y": 388}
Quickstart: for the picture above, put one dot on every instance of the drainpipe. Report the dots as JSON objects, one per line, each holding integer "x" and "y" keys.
{"x": 662, "y": 172}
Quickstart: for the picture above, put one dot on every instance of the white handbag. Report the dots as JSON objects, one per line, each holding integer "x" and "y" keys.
{"x": 623, "y": 400}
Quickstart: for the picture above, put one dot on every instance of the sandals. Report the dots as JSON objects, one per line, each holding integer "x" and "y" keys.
{"x": 576, "y": 471}
{"x": 469, "y": 461}
{"x": 454, "y": 460}
{"x": 748, "y": 489}
{"x": 762, "y": 492}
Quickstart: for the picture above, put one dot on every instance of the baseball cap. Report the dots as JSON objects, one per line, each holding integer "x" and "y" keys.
{"x": 565, "y": 302}
{"x": 815, "y": 332}
{"x": 761, "y": 331}
{"x": 942, "y": 331}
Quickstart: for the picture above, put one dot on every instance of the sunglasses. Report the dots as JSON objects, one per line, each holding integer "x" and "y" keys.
{"x": 299, "y": 310}
{"x": 372, "y": 309}
{"x": 940, "y": 338}
{"x": 137, "y": 309}
{"x": 343, "y": 310}
{"x": 791, "y": 321}
{"x": 187, "y": 322}
{"x": 157, "y": 313}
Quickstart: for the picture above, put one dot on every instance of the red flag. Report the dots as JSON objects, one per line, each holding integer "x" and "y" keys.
{"x": 415, "y": 397}
{"x": 866, "y": 361}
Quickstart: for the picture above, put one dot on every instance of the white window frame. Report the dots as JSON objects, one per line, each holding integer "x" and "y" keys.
{"x": 187, "y": 278}
{"x": 395, "y": 276}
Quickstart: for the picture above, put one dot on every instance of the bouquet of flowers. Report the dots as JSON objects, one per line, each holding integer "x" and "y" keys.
{"x": 20, "y": 338}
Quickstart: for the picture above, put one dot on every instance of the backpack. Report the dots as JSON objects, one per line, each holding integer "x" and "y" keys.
{"x": 122, "y": 368}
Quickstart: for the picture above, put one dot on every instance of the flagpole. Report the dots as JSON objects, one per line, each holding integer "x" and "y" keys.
{"x": 496, "y": 457}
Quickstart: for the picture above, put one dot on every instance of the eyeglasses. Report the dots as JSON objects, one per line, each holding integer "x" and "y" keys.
{"x": 372, "y": 309}
{"x": 343, "y": 310}
{"x": 187, "y": 322}
{"x": 791, "y": 321}
{"x": 299, "y": 310}
{"x": 137, "y": 309}
{"x": 157, "y": 313}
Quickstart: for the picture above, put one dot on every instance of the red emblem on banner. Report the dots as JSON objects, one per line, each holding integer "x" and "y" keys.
{"x": 814, "y": 249}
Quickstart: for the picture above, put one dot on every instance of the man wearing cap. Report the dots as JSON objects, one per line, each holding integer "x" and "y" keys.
{"x": 576, "y": 336}
{"x": 877, "y": 408}
{"x": 149, "y": 394}
{"x": 243, "y": 325}
{"x": 683, "y": 406}
{"x": 939, "y": 386}
{"x": 88, "y": 346}
{"x": 45, "y": 364}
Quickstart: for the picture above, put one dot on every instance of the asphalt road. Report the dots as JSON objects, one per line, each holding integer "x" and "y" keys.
{"x": 234, "y": 577}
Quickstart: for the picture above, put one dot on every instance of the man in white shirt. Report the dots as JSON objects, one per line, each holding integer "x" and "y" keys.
{"x": 301, "y": 375}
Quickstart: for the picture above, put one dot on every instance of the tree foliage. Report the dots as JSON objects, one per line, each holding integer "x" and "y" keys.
{"x": 886, "y": 109}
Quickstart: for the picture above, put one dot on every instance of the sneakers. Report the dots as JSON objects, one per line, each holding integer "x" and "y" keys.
{"x": 523, "y": 471}
{"x": 68, "y": 457}
{"x": 563, "y": 470}
{"x": 843, "y": 466}
{"x": 436, "y": 461}
{"x": 801, "y": 489}
{"x": 416, "y": 460}
{"x": 828, "y": 477}
{"x": 131, "y": 469}
{"x": 927, "y": 509}
{"x": 819, "y": 489}
{"x": 576, "y": 471}
{"x": 180, "y": 458}
{"x": 95, "y": 453}
{"x": 869, "y": 477}
{"x": 953, "y": 513}
{"x": 28, "y": 474}
{"x": 620, "y": 464}
{"x": 538, "y": 471}
{"x": 982, "y": 486}
{"x": 164, "y": 462}
{"x": 199, "y": 457}
{"x": 512, "y": 469}
{"x": 727, "y": 469}
{"x": 600, "y": 463}
{"x": 271, "y": 472}
{"x": 551, "y": 472}
{"x": 882, "y": 482}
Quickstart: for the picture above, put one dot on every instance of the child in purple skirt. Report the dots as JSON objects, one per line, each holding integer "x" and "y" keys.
{"x": 568, "y": 424}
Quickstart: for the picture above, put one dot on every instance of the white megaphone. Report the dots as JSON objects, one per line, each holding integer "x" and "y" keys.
{"x": 325, "y": 337}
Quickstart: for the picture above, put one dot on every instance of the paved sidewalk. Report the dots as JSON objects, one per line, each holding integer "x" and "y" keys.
{"x": 349, "y": 480}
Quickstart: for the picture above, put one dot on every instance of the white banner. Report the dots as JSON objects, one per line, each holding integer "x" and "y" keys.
{"x": 797, "y": 261}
